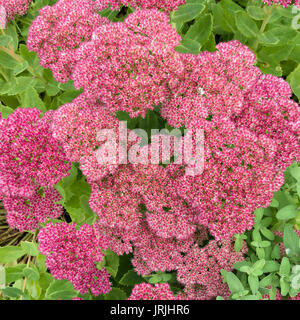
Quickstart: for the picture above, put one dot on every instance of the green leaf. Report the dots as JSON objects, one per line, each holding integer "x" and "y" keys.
{"x": 274, "y": 203}
{"x": 155, "y": 279}
{"x": 241, "y": 264}
{"x": 223, "y": 19}
{"x": 291, "y": 241}
{"x": 230, "y": 6}
{"x": 238, "y": 244}
{"x": 60, "y": 289}
{"x": 210, "y": 44}
{"x": 31, "y": 274}
{"x": 266, "y": 281}
{"x": 131, "y": 278}
{"x": 295, "y": 53}
{"x": 268, "y": 38}
{"x": 288, "y": 212}
{"x": 12, "y": 292}
{"x": 271, "y": 266}
{"x": 260, "y": 253}
{"x": 19, "y": 85}
{"x": 188, "y": 12}
{"x": 256, "y": 13}
{"x": 253, "y": 283}
{"x": 52, "y": 88}
{"x": 31, "y": 99}
{"x": 20, "y": 68}
{"x": 31, "y": 58}
{"x": 285, "y": 267}
{"x": 45, "y": 280}
{"x": 276, "y": 252}
{"x": 246, "y": 269}
{"x": 188, "y": 46}
{"x": 259, "y": 213}
{"x": 64, "y": 98}
{"x": 238, "y": 296}
{"x": 5, "y": 111}
{"x": 67, "y": 181}
{"x": 284, "y": 286}
{"x": 265, "y": 244}
{"x": 68, "y": 86}
{"x": 100, "y": 265}
{"x": 12, "y": 33}
{"x": 267, "y": 233}
{"x": 252, "y": 297}
{"x": 7, "y": 61}
{"x": 34, "y": 289}
{"x": 10, "y": 254}
{"x": 273, "y": 55}
{"x": 282, "y": 33}
{"x": 14, "y": 273}
{"x": 295, "y": 172}
{"x": 5, "y": 40}
{"x": 246, "y": 25}
{"x": 201, "y": 30}
{"x": 258, "y": 265}
{"x": 234, "y": 283}
{"x": 30, "y": 248}
{"x": 256, "y": 236}
{"x": 116, "y": 294}
{"x": 112, "y": 262}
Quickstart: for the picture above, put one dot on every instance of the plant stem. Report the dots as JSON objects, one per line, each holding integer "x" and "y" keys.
{"x": 264, "y": 23}
{"x": 27, "y": 265}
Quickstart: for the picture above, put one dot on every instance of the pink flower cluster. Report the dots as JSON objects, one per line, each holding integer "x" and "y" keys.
{"x": 252, "y": 131}
{"x": 283, "y": 3}
{"x": 75, "y": 125}
{"x": 164, "y": 217}
{"x": 28, "y": 213}
{"x": 31, "y": 162}
{"x": 138, "y": 213}
{"x": 200, "y": 270}
{"x": 15, "y": 8}
{"x": 126, "y": 65}
{"x": 72, "y": 254}
{"x": 165, "y": 5}
{"x": 59, "y": 30}
{"x": 146, "y": 291}
{"x": 251, "y": 134}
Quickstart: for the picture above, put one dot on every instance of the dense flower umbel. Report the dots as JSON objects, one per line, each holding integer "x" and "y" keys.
{"x": 270, "y": 112}
{"x": 59, "y": 30}
{"x": 126, "y": 65}
{"x": 284, "y": 3}
{"x": 115, "y": 201}
{"x": 165, "y": 5}
{"x": 28, "y": 213}
{"x": 239, "y": 176}
{"x": 145, "y": 291}
{"x": 76, "y": 126}
{"x": 137, "y": 192}
{"x": 15, "y": 8}
{"x": 200, "y": 269}
{"x": 31, "y": 162}
{"x": 72, "y": 254}
{"x": 29, "y": 156}
{"x": 251, "y": 135}
{"x": 160, "y": 215}
{"x": 210, "y": 84}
